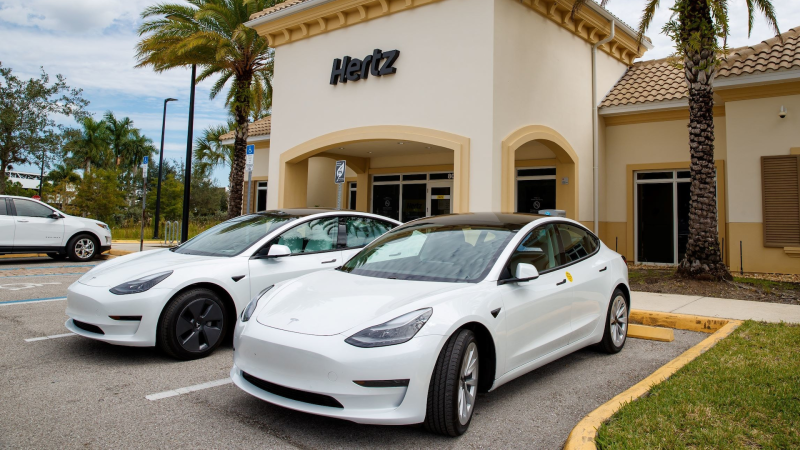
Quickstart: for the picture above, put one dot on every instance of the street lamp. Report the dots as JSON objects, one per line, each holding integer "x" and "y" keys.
{"x": 160, "y": 165}
{"x": 187, "y": 172}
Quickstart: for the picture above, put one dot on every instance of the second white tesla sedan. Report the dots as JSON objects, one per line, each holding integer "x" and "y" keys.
{"x": 414, "y": 326}
{"x": 186, "y": 299}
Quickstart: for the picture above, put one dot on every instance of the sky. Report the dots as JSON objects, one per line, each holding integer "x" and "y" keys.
{"x": 91, "y": 43}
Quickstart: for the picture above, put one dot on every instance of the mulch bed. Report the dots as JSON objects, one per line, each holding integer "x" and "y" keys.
{"x": 771, "y": 288}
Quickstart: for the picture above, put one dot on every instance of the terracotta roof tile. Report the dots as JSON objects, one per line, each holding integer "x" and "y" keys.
{"x": 766, "y": 56}
{"x": 276, "y": 8}
{"x": 658, "y": 80}
{"x": 261, "y": 127}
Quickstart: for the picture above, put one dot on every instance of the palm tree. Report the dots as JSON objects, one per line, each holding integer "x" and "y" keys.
{"x": 212, "y": 34}
{"x": 136, "y": 147}
{"x": 63, "y": 175}
{"x": 91, "y": 146}
{"x": 119, "y": 131}
{"x": 209, "y": 152}
{"x": 696, "y": 28}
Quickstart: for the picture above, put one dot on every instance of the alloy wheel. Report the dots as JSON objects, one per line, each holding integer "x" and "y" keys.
{"x": 468, "y": 383}
{"x": 619, "y": 321}
{"x": 199, "y": 325}
{"x": 84, "y": 248}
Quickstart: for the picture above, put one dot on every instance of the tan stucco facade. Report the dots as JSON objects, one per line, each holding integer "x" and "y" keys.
{"x": 485, "y": 88}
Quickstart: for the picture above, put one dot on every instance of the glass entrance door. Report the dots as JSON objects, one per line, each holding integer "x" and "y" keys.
{"x": 536, "y": 189}
{"x": 386, "y": 200}
{"x": 662, "y": 216}
{"x": 440, "y": 199}
{"x": 413, "y": 201}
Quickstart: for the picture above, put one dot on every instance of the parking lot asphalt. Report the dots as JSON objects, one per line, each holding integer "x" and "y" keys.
{"x": 69, "y": 392}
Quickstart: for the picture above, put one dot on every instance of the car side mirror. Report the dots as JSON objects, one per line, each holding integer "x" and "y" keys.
{"x": 55, "y": 216}
{"x": 525, "y": 272}
{"x": 276, "y": 251}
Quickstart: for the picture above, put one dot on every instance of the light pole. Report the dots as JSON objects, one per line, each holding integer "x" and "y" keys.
{"x": 187, "y": 175}
{"x": 160, "y": 164}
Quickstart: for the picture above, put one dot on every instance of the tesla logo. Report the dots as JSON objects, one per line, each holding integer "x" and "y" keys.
{"x": 291, "y": 321}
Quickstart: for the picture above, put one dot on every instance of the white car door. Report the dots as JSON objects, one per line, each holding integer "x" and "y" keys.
{"x": 7, "y": 225}
{"x": 314, "y": 246}
{"x": 35, "y": 227}
{"x": 590, "y": 283}
{"x": 538, "y": 311}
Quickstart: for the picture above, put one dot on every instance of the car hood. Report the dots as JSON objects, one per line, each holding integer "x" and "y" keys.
{"x": 137, "y": 265}
{"x": 331, "y": 302}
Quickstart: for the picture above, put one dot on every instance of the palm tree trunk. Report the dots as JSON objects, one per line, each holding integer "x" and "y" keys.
{"x": 241, "y": 115}
{"x": 703, "y": 259}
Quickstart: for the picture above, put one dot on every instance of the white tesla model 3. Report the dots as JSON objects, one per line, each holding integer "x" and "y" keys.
{"x": 415, "y": 325}
{"x": 185, "y": 299}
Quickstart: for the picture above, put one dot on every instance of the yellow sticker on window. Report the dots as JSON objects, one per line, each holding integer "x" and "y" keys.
{"x": 569, "y": 277}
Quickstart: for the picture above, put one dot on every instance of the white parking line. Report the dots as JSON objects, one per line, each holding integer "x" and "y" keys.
{"x": 55, "y": 336}
{"x": 186, "y": 390}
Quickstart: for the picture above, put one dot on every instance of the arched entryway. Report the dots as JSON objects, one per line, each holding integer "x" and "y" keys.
{"x": 350, "y": 145}
{"x": 532, "y": 156}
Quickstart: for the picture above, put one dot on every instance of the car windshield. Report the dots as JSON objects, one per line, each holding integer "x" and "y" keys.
{"x": 432, "y": 252}
{"x": 234, "y": 236}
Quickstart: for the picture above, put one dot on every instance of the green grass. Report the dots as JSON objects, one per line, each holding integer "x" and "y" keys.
{"x": 134, "y": 232}
{"x": 767, "y": 285}
{"x": 743, "y": 393}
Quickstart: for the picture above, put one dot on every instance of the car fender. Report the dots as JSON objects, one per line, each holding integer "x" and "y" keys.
{"x": 220, "y": 276}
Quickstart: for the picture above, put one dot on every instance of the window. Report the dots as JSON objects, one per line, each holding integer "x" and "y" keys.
{"x": 578, "y": 243}
{"x": 539, "y": 248}
{"x": 353, "y": 190}
{"x": 536, "y": 189}
{"x": 310, "y": 237}
{"x": 661, "y": 216}
{"x": 780, "y": 179}
{"x": 3, "y": 207}
{"x": 261, "y": 196}
{"x": 361, "y": 231}
{"x": 234, "y": 236}
{"x": 28, "y": 208}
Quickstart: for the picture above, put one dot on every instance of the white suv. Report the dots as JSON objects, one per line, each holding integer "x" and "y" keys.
{"x": 30, "y": 226}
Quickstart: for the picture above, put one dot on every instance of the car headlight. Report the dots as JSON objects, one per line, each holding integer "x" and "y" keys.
{"x": 103, "y": 226}
{"x": 141, "y": 284}
{"x": 396, "y": 331}
{"x": 251, "y": 307}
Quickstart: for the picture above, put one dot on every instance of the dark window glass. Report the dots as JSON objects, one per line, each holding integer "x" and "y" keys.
{"x": 535, "y": 195}
{"x": 414, "y": 204}
{"x": 685, "y": 174}
{"x": 361, "y": 231}
{"x": 28, "y": 208}
{"x": 655, "y": 231}
{"x": 313, "y": 236}
{"x": 386, "y": 200}
{"x": 428, "y": 251}
{"x": 353, "y": 185}
{"x": 578, "y": 243}
{"x": 234, "y": 236}
{"x": 536, "y": 172}
{"x": 539, "y": 248}
{"x": 382, "y": 178}
{"x": 654, "y": 176}
{"x": 684, "y": 198}
{"x": 415, "y": 177}
{"x": 440, "y": 190}
{"x": 261, "y": 197}
{"x": 3, "y": 207}
{"x": 353, "y": 203}
{"x": 441, "y": 176}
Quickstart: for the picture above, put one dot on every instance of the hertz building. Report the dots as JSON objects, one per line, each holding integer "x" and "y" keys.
{"x": 443, "y": 106}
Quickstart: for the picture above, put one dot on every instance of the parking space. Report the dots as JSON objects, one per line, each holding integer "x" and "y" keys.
{"x": 67, "y": 391}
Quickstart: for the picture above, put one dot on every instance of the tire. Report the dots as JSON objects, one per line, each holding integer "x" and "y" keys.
{"x": 454, "y": 378}
{"x": 192, "y": 325}
{"x": 82, "y": 248}
{"x": 616, "y": 330}
{"x": 57, "y": 256}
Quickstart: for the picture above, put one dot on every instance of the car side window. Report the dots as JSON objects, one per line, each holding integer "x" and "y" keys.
{"x": 539, "y": 248}
{"x": 313, "y": 236}
{"x": 28, "y": 208}
{"x": 3, "y": 211}
{"x": 363, "y": 230}
{"x": 578, "y": 243}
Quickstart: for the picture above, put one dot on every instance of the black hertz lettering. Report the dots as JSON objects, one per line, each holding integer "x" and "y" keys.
{"x": 354, "y": 69}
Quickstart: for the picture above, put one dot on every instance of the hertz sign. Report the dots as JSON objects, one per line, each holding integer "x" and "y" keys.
{"x": 379, "y": 63}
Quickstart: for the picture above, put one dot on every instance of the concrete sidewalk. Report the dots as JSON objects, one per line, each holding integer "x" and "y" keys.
{"x": 134, "y": 247}
{"x": 715, "y": 307}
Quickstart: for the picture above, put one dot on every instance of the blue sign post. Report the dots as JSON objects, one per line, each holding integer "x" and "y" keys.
{"x": 248, "y": 166}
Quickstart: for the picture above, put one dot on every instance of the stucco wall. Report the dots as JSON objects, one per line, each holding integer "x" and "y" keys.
{"x": 443, "y": 81}
{"x": 542, "y": 76}
{"x": 261, "y": 160}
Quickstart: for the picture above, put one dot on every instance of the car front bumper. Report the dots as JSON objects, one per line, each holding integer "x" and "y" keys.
{"x": 328, "y": 366}
{"x": 94, "y": 305}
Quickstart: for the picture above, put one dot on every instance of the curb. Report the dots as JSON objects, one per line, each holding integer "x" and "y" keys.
{"x": 114, "y": 252}
{"x": 583, "y": 435}
{"x": 135, "y": 241}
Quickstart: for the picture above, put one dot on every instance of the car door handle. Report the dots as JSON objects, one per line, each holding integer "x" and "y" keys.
{"x": 329, "y": 262}
{"x": 562, "y": 282}
{"x": 22, "y": 221}
{"x": 604, "y": 269}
